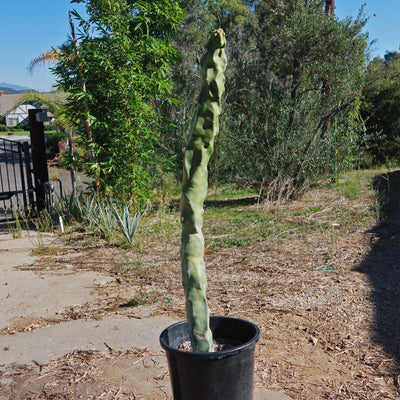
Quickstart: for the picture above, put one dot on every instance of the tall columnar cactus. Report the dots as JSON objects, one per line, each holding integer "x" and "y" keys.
{"x": 198, "y": 152}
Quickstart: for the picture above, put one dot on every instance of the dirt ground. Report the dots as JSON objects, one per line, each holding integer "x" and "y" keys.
{"x": 326, "y": 301}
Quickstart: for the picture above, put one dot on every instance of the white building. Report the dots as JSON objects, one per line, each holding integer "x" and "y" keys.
{"x": 11, "y": 115}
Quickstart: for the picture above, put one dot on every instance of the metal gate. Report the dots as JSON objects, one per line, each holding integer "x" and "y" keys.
{"x": 16, "y": 180}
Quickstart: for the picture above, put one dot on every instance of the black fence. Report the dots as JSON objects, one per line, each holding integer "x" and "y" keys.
{"x": 27, "y": 181}
{"x": 16, "y": 176}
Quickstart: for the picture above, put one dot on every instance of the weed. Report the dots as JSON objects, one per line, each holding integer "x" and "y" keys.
{"x": 44, "y": 221}
{"x": 350, "y": 190}
{"x": 315, "y": 209}
{"x": 130, "y": 267}
{"x": 227, "y": 192}
{"x": 134, "y": 268}
{"x": 377, "y": 211}
{"x": 227, "y": 242}
{"x": 48, "y": 251}
{"x": 163, "y": 224}
{"x": 18, "y": 224}
{"x": 136, "y": 301}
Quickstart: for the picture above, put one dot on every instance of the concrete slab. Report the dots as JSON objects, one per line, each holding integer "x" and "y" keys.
{"x": 264, "y": 394}
{"x": 52, "y": 342}
{"x": 25, "y": 293}
{"x": 28, "y": 240}
{"x": 22, "y": 294}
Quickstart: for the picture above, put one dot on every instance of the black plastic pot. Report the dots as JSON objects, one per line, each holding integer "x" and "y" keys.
{"x": 221, "y": 375}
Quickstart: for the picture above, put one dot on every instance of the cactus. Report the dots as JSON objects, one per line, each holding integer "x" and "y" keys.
{"x": 194, "y": 188}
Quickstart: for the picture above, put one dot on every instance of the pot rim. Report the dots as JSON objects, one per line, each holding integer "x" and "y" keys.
{"x": 213, "y": 354}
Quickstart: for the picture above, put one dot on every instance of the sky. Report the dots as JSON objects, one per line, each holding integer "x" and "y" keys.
{"x": 28, "y": 28}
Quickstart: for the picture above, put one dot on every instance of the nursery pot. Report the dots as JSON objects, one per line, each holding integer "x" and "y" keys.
{"x": 221, "y": 375}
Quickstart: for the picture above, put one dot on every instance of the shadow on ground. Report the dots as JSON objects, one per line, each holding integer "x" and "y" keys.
{"x": 382, "y": 265}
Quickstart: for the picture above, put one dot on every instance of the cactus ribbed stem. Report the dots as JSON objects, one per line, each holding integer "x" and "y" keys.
{"x": 194, "y": 188}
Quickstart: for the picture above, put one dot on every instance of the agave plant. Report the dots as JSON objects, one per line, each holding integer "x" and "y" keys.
{"x": 127, "y": 223}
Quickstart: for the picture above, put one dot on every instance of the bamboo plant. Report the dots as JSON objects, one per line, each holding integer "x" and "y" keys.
{"x": 194, "y": 188}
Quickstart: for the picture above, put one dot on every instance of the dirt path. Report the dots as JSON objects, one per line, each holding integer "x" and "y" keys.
{"x": 321, "y": 282}
{"x": 27, "y": 295}
{"x": 44, "y": 353}
{"x": 34, "y": 334}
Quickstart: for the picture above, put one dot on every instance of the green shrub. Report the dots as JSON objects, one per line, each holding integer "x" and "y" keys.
{"x": 50, "y": 127}
{"x": 4, "y": 128}
{"x": 52, "y": 140}
{"x": 24, "y": 127}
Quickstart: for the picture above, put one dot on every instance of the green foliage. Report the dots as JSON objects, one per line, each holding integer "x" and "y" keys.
{"x": 292, "y": 104}
{"x": 105, "y": 217}
{"x": 52, "y": 139}
{"x": 380, "y": 109}
{"x": 24, "y": 127}
{"x": 200, "y": 18}
{"x": 293, "y": 110}
{"x": 229, "y": 14}
{"x": 4, "y": 128}
{"x": 68, "y": 207}
{"x": 114, "y": 74}
{"x": 177, "y": 117}
{"x": 50, "y": 127}
{"x": 350, "y": 190}
{"x": 17, "y": 222}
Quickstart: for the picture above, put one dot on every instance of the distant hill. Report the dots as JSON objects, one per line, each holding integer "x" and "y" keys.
{"x": 8, "y": 88}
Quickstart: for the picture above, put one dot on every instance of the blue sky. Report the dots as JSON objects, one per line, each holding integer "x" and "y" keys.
{"x": 30, "y": 27}
{"x": 27, "y": 29}
{"x": 383, "y": 24}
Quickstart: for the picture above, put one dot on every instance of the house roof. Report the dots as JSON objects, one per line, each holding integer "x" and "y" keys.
{"x": 8, "y": 102}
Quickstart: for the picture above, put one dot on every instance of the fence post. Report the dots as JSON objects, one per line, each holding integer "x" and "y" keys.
{"x": 29, "y": 181}
{"x": 39, "y": 157}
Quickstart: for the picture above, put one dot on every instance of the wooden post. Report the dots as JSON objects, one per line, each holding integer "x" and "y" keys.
{"x": 39, "y": 157}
